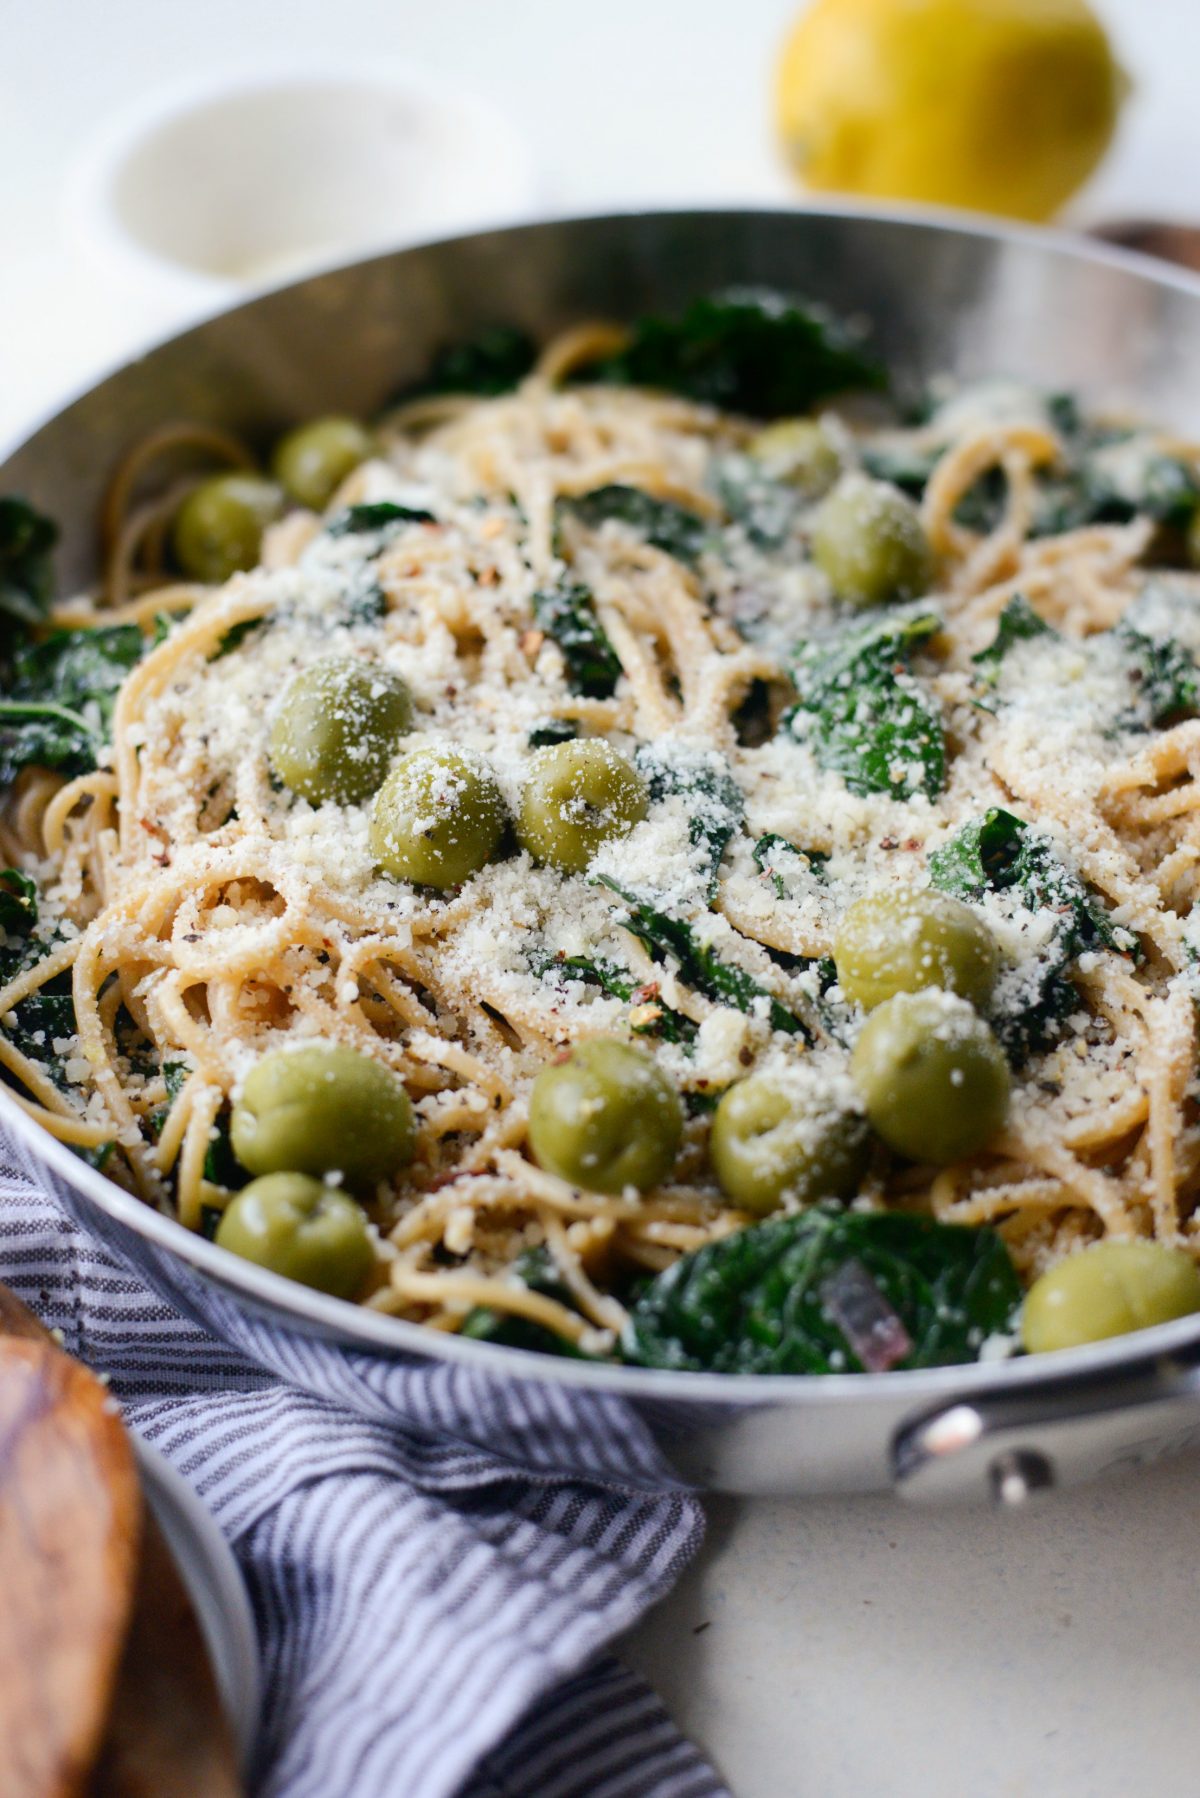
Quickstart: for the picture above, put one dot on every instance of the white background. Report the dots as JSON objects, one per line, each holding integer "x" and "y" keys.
{"x": 826, "y": 1649}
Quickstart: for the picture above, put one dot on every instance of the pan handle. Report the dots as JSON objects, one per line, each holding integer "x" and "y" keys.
{"x": 1011, "y": 1446}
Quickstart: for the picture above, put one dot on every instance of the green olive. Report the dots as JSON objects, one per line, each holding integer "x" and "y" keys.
{"x": 867, "y": 538}
{"x": 297, "y": 1227}
{"x": 1106, "y": 1290}
{"x": 932, "y": 1076}
{"x": 313, "y": 460}
{"x": 801, "y": 452}
{"x": 606, "y": 1118}
{"x": 576, "y": 797}
{"x": 901, "y": 941}
{"x": 322, "y": 1109}
{"x": 336, "y": 728}
{"x": 438, "y": 818}
{"x": 773, "y": 1138}
{"x": 218, "y": 529}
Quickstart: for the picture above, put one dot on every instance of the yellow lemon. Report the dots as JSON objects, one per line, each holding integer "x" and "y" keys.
{"x": 997, "y": 105}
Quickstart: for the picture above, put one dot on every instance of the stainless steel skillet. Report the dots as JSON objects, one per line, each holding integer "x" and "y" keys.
{"x": 940, "y": 296}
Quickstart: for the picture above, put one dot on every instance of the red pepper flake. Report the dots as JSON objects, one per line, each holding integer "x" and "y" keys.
{"x": 889, "y": 843}
{"x": 642, "y": 995}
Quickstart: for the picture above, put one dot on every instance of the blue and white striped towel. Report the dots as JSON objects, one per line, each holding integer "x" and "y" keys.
{"x": 430, "y": 1622}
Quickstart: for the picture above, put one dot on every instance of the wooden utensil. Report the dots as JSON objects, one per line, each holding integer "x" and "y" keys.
{"x": 162, "y": 1732}
{"x": 70, "y": 1526}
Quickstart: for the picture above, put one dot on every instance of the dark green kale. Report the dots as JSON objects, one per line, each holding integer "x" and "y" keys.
{"x": 221, "y": 1165}
{"x": 58, "y": 709}
{"x": 668, "y": 526}
{"x": 1164, "y": 681}
{"x": 1001, "y": 853}
{"x": 715, "y": 803}
{"x": 864, "y": 714}
{"x": 234, "y": 637}
{"x": 494, "y": 362}
{"x": 770, "y": 848}
{"x": 47, "y": 1015}
{"x": 26, "y": 577}
{"x": 537, "y": 1271}
{"x": 745, "y": 350}
{"x": 18, "y": 915}
{"x": 1168, "y": 684}
{"x": 1113, "y": 478}
{"x": 1017, "y": 623}
{"x": 764, "y": 1300}
{"x": 767, "y": 509}
{"x": 903, "y": 465}
{"x": 567, "y": 615}
{"x": 671, "y": 939}
{"x": 553, "y": 730}
{"x": 667, "y": 1025}
{"x": 376, "y": 517}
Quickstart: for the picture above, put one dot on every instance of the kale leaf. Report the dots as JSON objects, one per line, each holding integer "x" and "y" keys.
{"x": 767, "y": 509}
{"x": 18, "y": 915}
{"x": 1167, "y": 679}
{"x": 745, "y": 350}
{"x": 752, "y": 1302}
{"x": 862, "y": 712}
{"x": 553, "y": 730}
{"x": 715, "y": 803}
{"x": 536, "y": 1270}
{"x": 26, "y": 584}
{"x": 660, "y": 1020}
{"x": 221, "y": 1165}
{"x": 494, "y": 362}
{"x": 1017, "y": 623}
{"x": 1113, "y": 479}
{"x": 767, "y": 852}
{"x": 700, "y": 967}
{"x": 58, "y": 711}
{"x": 902, "y": 464}
{"x": 567, "y": 615}
{"x": 376, "y": 517}
{"x": 668, "y": 526}
{"x": 999, "y": 853}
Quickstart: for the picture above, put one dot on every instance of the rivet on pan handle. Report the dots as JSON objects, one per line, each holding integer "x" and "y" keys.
{"x": 1010, "y": 1448}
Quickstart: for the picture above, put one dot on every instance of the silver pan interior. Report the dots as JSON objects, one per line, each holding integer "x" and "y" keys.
{"x": 939, "y": 297}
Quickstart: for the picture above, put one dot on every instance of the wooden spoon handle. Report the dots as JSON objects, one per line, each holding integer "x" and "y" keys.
{"x": 70, "y": 1523}
{"x": 166, "y": 1734}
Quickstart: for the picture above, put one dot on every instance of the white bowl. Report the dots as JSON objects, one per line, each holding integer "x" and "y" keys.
{"x": 202, "y": 194}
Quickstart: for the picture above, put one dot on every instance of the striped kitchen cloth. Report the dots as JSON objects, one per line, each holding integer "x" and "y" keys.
{"x": 431, "y": 1621}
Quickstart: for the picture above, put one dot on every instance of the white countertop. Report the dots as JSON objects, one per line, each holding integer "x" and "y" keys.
{"x": 828, "y": 1648}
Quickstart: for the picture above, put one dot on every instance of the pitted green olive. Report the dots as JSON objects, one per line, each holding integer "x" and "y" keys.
{"x": 901, "y": 941}
{"x": 606, "y": 1118}
{"x": 302, "y": 1229}
{"x": 867, "y": 538}
{"x": 931, "y": 1075}
{"x": 438, "y": 818}
{"x": 1106, "y": 1290}
{"x": 313, "y": 460}
{"x": 799, "y": 451}
{"x": 218, "y": 529}
{"x": 576, "y": 796}
{"x": 337, "y": 729}
{"x": 323, "y": 1109}
{"x": 774, "y": 1138}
